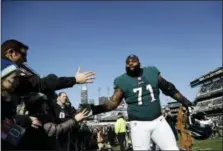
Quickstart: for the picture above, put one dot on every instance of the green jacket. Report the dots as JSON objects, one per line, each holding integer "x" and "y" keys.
{"x": 120, "y": 126}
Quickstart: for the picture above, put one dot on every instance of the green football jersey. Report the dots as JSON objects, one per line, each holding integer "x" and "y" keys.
{"x": 141, "y": 94}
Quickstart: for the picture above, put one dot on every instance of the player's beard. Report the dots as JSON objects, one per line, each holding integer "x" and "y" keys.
{"x": 134, "y": 73}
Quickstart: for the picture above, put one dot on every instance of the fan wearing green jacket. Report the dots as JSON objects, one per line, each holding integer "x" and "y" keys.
{"x": 120, "y": 130}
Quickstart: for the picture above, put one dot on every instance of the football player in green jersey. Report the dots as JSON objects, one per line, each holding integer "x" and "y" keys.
{"x": 140, "y": 89}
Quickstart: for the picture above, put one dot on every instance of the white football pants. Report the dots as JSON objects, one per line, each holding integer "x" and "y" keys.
{"x": 158, "y": 130}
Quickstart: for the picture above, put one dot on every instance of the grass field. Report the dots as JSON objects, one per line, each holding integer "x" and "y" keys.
{"x": 209, "y": 144}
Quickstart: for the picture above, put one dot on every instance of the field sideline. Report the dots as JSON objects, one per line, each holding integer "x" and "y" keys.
{"x": 209, "y": 144}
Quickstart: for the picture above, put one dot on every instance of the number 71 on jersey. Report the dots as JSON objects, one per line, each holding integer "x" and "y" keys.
{"x": 139, "y": 91}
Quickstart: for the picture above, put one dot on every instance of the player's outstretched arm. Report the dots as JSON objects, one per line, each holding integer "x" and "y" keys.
{"x": 108, "y": 106}
{"x": 170, "y": 90}
{"x": 112, "y": 104}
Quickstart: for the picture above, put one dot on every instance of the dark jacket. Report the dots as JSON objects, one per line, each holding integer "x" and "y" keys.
{"x": 8, "y": 112}
{"x": 64, "y": 113}
{"x": 42, "y": 109}
{"x": 47, "y": 84}
{"x": 51, "y": 130}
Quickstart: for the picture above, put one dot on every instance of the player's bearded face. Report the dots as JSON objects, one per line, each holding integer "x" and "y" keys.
{"x": 133, "y": 67}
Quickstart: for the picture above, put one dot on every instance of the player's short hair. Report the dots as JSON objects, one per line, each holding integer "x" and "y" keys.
{"x": 132, "y": 57}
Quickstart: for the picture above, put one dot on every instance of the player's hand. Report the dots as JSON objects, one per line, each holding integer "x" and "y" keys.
{"x": 81, "y": 115}
{"x": 85, "y": 77}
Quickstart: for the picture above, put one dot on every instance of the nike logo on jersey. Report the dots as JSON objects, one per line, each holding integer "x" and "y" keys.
{"x": 140, "y": 80}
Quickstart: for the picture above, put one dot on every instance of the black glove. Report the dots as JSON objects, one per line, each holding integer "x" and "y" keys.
{"x": 94, "y": 109}
{"x": 87, "y": 107}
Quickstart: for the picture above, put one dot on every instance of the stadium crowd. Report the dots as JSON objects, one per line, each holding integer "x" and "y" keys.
{"x": 34, "y": 117}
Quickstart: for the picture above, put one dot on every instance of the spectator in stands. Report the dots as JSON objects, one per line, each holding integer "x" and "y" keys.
{"x": 64, "y": 111}
{"x": 9, "y": 82}
{"x": 63, "y": 108}
{"x": 120, "y": 130}
{"x": 85, "y": 133}
{"x": 110, "y": 135}
{"x": 100, "y": 138}
{"x": 16, "y": 51}
{"x": 92, "y": 144}
{"x": 128, "y": 137}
